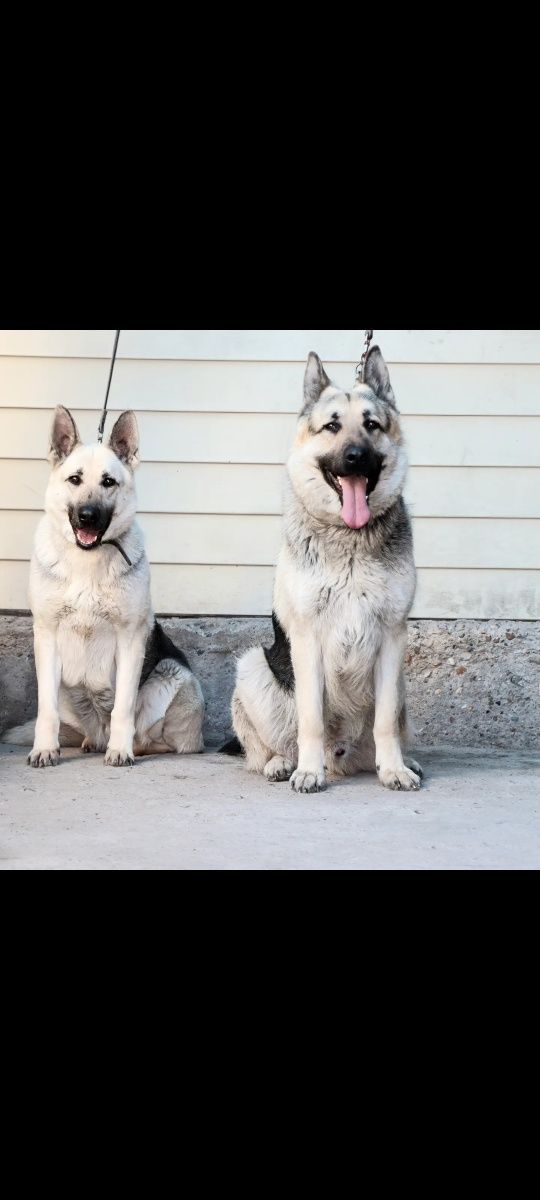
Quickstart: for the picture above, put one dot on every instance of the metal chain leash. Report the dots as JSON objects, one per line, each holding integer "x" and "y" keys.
{"x": 361, "y": 368}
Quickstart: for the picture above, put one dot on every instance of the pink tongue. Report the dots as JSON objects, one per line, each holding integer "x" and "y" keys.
{"x": 86, "y": 538}
{"x": 355, "y": 510}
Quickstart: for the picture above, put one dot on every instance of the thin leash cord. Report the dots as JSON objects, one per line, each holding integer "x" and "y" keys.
{"x": 361, "y": 368}
{"x": 101, "y": 429}
{"x": 101, "y": 432}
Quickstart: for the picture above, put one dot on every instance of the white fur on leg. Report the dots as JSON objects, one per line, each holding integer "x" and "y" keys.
{"x": 130, "y": 650}
{"x": 389, "y": 692}
{"x": 279, "y": 769}
{"x": 308, "y": 671}
{"x": 46, "y": 749}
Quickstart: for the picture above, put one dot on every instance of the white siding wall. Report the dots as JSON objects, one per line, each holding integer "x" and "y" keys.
{"x": 217, "y": 410}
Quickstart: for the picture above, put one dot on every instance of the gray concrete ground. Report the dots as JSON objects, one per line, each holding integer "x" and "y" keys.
{"x": 479, "y": 811}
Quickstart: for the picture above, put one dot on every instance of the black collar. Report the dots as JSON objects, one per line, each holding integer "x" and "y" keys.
{"x": 112, "y": 542}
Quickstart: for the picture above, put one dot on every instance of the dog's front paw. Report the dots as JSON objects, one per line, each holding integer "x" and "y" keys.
{"x": 308, "y": 782}
{"x": 279, "y": 770}
{"x": 119, "y": 758}
{"x": 400, "y": 780}
{"x": 44, "y": 758}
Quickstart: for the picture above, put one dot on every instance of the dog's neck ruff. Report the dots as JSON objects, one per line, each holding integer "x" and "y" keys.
{"x": 120, "y": 548}
{"x": 331, "y": 542}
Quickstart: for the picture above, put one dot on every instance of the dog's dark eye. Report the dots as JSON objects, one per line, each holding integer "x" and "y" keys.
{"x": 75, "y": 480}
{"x": 108, "y": 482}
{"x": 371, "y": 426}
{"x": 333, "y": 427}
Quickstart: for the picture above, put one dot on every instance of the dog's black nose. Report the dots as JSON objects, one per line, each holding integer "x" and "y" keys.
{"x": 354, "y": 457}
{"x": 89, "y": 517}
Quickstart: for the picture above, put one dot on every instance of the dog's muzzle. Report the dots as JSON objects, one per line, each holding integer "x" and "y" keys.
{"x": 89, "y": 524}
{"x": 354, "y": 475}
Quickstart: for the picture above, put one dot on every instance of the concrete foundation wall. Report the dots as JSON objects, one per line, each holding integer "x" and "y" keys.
{"x": 471, "y": 683}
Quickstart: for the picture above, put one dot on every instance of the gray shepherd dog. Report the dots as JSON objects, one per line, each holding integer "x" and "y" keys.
{"x": 329, "y": 697}
{"x": 109, "y": 678}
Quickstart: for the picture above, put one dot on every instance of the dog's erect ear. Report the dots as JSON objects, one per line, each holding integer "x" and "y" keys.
{"x": 124, "y": 440}
{"x": 64, "y": 436}
{"x": 377, "y": 377}
{"x": 315, "y": 382}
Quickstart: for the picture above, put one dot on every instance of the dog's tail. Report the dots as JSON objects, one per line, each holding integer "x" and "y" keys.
{"x": 23, "y": 735}
{"x": 233, "y": 748}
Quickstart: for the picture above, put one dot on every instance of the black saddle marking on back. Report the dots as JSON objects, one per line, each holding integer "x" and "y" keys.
{"x": 279, "y": 658}
{"x": 158, "y": 647}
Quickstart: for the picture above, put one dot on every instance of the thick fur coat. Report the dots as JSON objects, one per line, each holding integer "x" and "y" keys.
{"x": 109, "y": 679}
{"x": 329, "y": 697}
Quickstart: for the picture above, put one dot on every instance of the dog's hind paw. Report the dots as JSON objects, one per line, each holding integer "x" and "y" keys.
{"x": 308, "y": 782}
{"x": 118, "y": 758}
{"x": 279, "y": 770}
{"x": 400, "y": 780}
{"x": 44, "y": 758}
{"x": 415, "y": 767}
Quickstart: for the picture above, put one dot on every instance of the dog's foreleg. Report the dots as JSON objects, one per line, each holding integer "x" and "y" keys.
{"x": 46, "y": 752}
{"x": 309, "y": 677}
{"x": 130, "y": 650}
{"x": 391, "y": 768}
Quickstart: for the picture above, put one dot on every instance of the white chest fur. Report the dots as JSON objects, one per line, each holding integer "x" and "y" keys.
{"x": 87, "y": 649}
{"x": 346, "y": 606}
{"x": 87, "y": 599}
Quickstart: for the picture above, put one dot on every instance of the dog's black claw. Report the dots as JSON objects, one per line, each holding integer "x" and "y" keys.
{"x": 118, "y": 760}
{"x": 39, "y": 762}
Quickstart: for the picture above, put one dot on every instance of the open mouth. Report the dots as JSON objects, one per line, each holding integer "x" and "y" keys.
{"x": 354, "y": 492}
{"x": 87, "y": 539}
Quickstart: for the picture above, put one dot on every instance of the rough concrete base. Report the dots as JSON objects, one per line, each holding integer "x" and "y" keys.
{"x": 471, "y": 683}
{"x": 478, "y": 812}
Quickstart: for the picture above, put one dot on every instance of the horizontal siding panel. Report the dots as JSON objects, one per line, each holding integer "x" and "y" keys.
{"x": 256, "y": 541}
{"x": 249, "y": 438}
{"x": 473, "y": 544}
{"x": 174, "y": 437}
{"x": 474, "y": 492}
{"x": 13, "y": 585}
{"x": 244, "y": 489}
{"x": 335, "y": 345}
{"x": 74, "y": 382}
{"x": 269, "y": 345}
{"x": 478, "y": 595}
{"x": 165, "y": 487}
{"x": 473, "y": 441}
{"x": 62, "y": 343}
{"x": 247, "y": 591}
{"x": 148, "y": 386}
{"x": 235, "y": 591}
{"x": 23, "y": 483}
{"x": 201, "y": 540}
